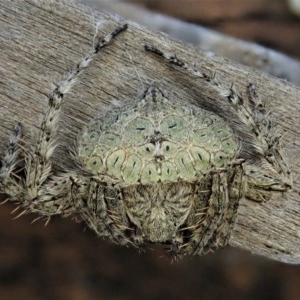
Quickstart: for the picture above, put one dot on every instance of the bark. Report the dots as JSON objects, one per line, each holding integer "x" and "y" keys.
{"x": 39, "y": 40}
{"x": 241, "y": 51}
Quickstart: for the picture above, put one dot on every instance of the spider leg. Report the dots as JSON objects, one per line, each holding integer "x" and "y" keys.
{"x": 101, "y": 207}
{"x": 236, "y": 188}
{"x": 213, "y": 224}
{"x": 275, "y": 174}
{"x": 251, "y": 118}
{"x": 9, "y": 161}
{"x": 218, "y": 203}
{"x": 52, "y": 198}
{"x": 38, "y": 192}
{"x": 39, "y": 163}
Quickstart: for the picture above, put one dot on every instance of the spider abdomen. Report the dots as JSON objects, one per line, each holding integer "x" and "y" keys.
{"x": 156, "y": 140}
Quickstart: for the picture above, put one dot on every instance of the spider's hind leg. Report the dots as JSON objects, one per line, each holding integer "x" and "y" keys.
{"x": 273, "y": 174}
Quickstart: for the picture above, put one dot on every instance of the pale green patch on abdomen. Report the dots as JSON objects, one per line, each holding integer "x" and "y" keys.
{"x": 161, "y": 146}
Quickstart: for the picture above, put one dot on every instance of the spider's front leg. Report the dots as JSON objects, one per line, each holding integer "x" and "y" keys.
{"x": 99, "y": 204}
{"x": 39, "y": 163}
{"x": 33, "y": 191}
{"x": 51, "y": 198}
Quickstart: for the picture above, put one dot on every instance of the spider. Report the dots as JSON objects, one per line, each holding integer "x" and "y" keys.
{"x": 153, "y": 170}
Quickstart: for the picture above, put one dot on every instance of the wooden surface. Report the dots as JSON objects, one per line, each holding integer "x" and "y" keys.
{"x": 39, "y": 41}
{"x": 241, "y": 51}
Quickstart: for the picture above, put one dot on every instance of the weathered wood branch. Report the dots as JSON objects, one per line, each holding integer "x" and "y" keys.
{"x": 39, "y": 40}
{"x": 243, "y": 52}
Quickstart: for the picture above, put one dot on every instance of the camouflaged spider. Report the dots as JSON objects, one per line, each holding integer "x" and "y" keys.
{"x": 153, "y": 170}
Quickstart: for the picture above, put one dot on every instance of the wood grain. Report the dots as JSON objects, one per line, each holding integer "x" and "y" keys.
{"x": 39, "y": 40}
{"x": 241, "y": 51}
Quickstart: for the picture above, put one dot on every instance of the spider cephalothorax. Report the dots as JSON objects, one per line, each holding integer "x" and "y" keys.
{"x": 152, "y": 170}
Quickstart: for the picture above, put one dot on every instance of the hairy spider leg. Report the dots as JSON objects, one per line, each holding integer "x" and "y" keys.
{"x": 265, "y": 141}
{"x": 32, "y": 194}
